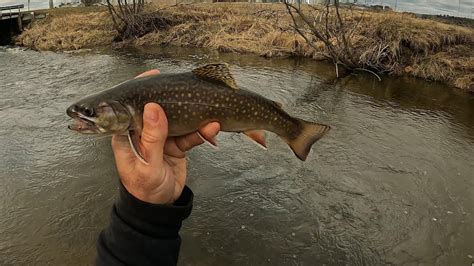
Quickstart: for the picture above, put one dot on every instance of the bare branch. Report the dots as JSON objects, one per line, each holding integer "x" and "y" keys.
{"x": 369, "y": 71}
{"x": 334, "y": 28}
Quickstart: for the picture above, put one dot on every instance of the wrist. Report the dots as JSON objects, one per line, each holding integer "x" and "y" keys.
{"x": 154, "y": 219}
{"x": 150, "y": 189}
{"x": 158, "y": 195}
{"x": 152, "y": 197}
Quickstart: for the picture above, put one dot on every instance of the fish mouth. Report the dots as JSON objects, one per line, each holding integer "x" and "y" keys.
{"x": 84, "y": 124}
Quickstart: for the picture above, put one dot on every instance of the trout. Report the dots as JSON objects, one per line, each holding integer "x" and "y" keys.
{"x": 190, "y": 100}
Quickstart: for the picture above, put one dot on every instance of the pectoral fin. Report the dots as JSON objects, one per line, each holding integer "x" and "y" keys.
{"x": 134, "y": 140}
{"x": 258, "y": 136}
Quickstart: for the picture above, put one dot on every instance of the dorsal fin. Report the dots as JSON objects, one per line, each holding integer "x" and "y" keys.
{"x": 218, "y": 72}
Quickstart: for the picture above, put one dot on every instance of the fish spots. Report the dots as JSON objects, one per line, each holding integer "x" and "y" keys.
{"x": 256, "y": 113}
{"x": 189, "y": 95}
{"x": 180, "y": 103}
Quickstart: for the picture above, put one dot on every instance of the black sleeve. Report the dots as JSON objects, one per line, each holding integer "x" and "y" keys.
{"x": 141, "y": 233}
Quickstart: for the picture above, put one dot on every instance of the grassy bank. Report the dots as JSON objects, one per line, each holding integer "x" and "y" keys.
{"x": 403, "y": 44}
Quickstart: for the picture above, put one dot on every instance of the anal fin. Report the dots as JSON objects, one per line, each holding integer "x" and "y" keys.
{"x": 134, "y": 140}
{"x": 258, "y": 136}
{"x": 148, "y": 73}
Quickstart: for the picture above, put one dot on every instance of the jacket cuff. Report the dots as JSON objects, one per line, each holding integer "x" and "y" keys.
{"x": 156, "y": 220}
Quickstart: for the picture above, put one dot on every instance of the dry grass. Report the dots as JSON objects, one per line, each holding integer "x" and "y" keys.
{"x": 391, "y": 42}
{"x": 69, "y": 29}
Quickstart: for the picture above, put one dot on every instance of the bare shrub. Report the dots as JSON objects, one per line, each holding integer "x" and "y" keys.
{"x": 388, "y": 42}
{"x": 128, "y": 18}
{"x": 90, "y": 2}
{"x": 327, "y": 23}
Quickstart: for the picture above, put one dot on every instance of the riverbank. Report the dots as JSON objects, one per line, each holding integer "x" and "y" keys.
{"x": 405, "y": 45}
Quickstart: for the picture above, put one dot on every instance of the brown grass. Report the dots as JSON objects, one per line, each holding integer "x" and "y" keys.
{"x": 69, "y": 29}
{"x": 394, "y": 43}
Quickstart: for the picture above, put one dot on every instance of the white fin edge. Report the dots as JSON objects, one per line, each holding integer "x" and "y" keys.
{"x": 256, "y": 143}
{"x": 207, "y": 142}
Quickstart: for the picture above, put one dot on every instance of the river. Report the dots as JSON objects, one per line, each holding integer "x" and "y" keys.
{"x": 392, "y": 183}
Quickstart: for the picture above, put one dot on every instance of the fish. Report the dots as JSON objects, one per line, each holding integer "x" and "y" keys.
{"x": 208, "y": 93}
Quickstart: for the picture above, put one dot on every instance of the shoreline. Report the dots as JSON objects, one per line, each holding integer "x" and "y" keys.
{"x": 417, "y": 47}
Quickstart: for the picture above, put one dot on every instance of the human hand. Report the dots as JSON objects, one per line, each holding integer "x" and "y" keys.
{"x": 163, "y": 179}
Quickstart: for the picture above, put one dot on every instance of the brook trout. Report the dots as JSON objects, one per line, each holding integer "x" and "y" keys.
{"x": 191, "y": 100}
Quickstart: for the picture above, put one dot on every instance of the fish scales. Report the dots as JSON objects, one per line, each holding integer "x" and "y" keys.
{"x": 193, "y": 103}
{"x": 191, "y": 100}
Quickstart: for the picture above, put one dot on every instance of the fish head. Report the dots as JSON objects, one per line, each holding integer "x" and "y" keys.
{"x": 99, "y": 117}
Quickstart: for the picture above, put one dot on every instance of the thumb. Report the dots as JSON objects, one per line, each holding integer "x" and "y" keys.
{"x": 155, "y": 132}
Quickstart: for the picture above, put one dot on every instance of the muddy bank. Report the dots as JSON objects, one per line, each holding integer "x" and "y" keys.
{"x": 404, "y": 44}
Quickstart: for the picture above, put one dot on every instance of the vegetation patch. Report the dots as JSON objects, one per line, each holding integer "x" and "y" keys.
{"x": 69, "y": 29}
{"x": 389, "y": 42}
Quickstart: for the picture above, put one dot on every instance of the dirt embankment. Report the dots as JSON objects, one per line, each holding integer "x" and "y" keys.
{"x": 402, "y": 43}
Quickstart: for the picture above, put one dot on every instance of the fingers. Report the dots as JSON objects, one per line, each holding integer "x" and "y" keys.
{"x": 154, "y": 134}
{"x": 209, "y": 132}
{"x": 189, "y": 141}
{"x": 186, "y": 142}
{"x": 148, "y": 73}
{"x": 172, "y": 149}
{"x": 178, "y": 146}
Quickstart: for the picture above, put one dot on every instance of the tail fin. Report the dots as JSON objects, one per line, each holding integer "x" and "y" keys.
{"x": 310, "y": 133}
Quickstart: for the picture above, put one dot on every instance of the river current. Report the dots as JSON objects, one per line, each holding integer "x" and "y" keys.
{"x": 392, "y": 183}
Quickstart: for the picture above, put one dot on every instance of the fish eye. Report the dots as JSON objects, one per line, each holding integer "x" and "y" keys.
{"x": 88, "y": 111}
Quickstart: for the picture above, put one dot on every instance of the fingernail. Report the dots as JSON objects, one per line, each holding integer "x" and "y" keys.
{"x": 151, "y": 117}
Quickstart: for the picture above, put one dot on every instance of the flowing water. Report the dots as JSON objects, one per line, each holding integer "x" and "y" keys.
{"x": 392, "y": 183}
